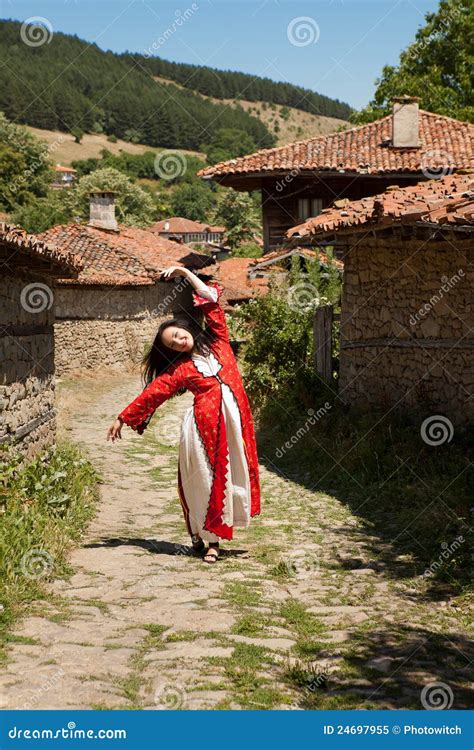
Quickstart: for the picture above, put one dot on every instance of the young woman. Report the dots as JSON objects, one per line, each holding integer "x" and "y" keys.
{"x": 218, "y": 480}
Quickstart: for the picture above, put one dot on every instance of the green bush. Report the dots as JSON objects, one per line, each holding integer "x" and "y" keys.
{"x": 44, "y": 504}
{"x": 278, "y": 328}
{"x": 413, "y": 499}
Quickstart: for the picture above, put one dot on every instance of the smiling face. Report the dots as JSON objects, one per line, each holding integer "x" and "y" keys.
{"x": 178, "y": 339}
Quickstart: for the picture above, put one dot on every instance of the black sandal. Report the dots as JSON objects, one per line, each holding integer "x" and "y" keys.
{"x": 198, "y": 543}
{"x": 211, "y": 558}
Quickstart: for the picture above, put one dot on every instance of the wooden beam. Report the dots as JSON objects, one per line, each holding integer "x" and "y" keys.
{"x": 409, "y": 343}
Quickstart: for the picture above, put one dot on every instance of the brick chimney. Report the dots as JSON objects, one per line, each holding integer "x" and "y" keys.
{"x": 405, "y": 129}
{"x": 102, "y": 210}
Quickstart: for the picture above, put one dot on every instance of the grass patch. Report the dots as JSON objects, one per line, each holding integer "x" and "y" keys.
{"x": 251, "y": 625}
{"x": 45, "y": 505}
{"x": 303, "y": 623}
{"x": 248, "y": 687}
{"x": 243, "y": 594}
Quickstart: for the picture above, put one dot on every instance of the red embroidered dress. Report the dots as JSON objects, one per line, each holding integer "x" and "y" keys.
{"x": 218, "y": 480}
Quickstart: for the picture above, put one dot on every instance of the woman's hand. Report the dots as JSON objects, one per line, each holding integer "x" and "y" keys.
{"x": 199, "y": 286}
{"x": 115, "y": 430}
{"x": 172, "y": 271}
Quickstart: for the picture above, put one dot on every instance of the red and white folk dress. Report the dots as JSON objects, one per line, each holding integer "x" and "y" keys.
{"x": 218, "y": 479}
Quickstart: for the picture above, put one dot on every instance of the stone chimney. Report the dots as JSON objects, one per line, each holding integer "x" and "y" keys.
{"x": 405, "y": 129}
{"x": 102, "y": 210}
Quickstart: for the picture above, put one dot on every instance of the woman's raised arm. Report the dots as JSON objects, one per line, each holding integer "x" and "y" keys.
{"x": 205, "y": 296}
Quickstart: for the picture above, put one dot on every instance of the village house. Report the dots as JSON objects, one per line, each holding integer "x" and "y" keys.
{"x": 299, "y": 180}
{"x": 27, "y": 315}
{"x": 186, "y": 230}
{"x": 407, "y": 319}
{"x": 64, "y": 177}
{"x": 239, "y": 286}
{"x": 111, "y": 311}
{"x": 277, "y": 263}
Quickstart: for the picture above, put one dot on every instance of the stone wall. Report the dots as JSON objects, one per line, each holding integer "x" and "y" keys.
{"x": 27, "y": 416}
{"x": 407, "y": 325}
{"x": 110, "y": 327}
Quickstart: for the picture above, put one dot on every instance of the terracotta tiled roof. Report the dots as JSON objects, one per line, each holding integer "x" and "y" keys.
{"x": 59, "y": 168}
{"x": 131, "y": 256}
{"x": 277, "y": 255}
{"x": 447, "y": 200}
{"x": 179, "y": 225}
{"x": 19, "y": 242}
{"x": 365, "y": 149}
{"x": 232, "y": 273}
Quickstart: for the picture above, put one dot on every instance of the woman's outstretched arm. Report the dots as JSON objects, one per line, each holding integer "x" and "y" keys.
{"x": 139, "y": 412}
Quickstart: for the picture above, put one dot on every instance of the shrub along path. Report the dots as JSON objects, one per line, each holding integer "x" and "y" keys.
{"x": 300, "y": 612}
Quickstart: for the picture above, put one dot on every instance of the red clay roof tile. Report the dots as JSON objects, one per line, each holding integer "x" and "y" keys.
{"x": 18, "y": 240}
{"x": 131, "y": 256}
{"x": 447, "y": 200}
{"x": 365, "y": 149}
{"x": 179, "y": 225}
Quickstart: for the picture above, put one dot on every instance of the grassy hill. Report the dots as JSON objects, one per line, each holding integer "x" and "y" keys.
{"x": 64, "y": 150}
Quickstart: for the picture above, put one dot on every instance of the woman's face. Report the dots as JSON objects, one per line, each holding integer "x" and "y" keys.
{"x": 178, "y": 339}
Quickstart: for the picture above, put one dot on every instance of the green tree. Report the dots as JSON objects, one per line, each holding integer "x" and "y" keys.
{"x": 192, "y": 201}
{"x": 239, "y": 214}
{"x": 228, "y": 143}
{"x": 25, "y": 166}
{"x": 77, "y": 133}
{"x": 43, "y": 213}
{"x": 437, "y": 67}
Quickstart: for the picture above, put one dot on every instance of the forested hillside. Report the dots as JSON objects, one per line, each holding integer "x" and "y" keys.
{"x": 68, "y": 84}
{"x": 232, "y": 85}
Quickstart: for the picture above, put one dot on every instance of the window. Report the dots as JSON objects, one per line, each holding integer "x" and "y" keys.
{"x": 309, "y": 207}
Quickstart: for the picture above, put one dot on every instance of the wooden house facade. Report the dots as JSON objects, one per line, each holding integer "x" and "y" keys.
{"x": 299, "y": 180}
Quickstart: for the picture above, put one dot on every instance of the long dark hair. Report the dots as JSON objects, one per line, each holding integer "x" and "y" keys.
{"x": 159, "y": 357}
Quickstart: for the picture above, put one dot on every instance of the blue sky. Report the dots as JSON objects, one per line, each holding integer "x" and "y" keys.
{"x": 335, "y": 47}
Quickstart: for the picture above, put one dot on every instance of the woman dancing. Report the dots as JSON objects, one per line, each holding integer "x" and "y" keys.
{"x": 218, "y": 480}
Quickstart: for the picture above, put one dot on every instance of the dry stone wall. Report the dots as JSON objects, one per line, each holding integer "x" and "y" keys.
{"x": 407, "y": 325}
{"x": 27, "y": 415}
{"x": 111, "y": 327}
